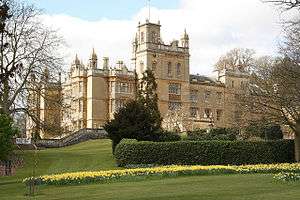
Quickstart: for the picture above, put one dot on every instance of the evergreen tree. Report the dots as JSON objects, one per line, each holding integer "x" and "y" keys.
{"x": 139, "y": 119}
{"x": 147, "y": 95}
{"x": 7, "y": 131}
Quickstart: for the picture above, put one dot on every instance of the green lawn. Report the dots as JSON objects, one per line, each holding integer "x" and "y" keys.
{"x": 96, "y": 155}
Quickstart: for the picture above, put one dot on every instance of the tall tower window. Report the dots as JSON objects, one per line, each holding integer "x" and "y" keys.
{"x": 153, "y": 37}
{"x": 169, "y": 69}
{"x": 219, "y": 115}
{"x": 178, "y": 69}
{"x": 142, "y": 37}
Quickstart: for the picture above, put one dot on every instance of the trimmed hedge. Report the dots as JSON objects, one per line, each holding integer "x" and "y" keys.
{"x": 131, "y": 152}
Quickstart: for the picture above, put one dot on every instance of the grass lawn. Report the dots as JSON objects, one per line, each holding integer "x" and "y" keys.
{"x": 96, "y": 155}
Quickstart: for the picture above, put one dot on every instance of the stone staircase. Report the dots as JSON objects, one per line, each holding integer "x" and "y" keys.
{"x": 79, "y": 136}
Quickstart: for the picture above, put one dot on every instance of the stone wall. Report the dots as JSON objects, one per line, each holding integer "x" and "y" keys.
{"x": 74, "y": 138}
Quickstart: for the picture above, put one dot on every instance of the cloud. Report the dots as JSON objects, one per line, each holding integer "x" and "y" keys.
{"x": 214, "y": 28}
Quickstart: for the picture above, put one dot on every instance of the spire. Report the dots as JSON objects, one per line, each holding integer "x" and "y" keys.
{"x": 76, "y": 61}
{"x": 94, "y": 55}
{"x": 185, "y": 35}
{"x": 93, "y": 59}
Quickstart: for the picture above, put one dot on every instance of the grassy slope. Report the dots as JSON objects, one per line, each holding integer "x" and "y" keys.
{"x": 95, "y": 155}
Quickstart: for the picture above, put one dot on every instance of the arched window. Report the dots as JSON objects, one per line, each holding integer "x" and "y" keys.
{"x": 141, "y": 66}
{"x": 178, "y": 69}
{"x": 169, "y": 69}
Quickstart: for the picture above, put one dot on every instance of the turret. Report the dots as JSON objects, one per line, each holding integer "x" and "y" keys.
{"x": 105, "y": 63}
{"x": 185, "y": 40}
{"x": 76, "y": 62}
{"x": 93, "y": 60}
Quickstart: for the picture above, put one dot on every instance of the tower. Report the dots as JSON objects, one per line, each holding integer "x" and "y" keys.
{"x": 185, "y": 40}
{"x": 169, "y": 63}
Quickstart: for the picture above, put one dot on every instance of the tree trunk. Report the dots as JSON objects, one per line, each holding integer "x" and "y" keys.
{"x": 297, "y": 142}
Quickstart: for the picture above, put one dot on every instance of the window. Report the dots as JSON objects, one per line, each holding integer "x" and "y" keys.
{"x": 219, "y": 115}
{"x": 174, "y": 88}
{"x": 178, "y": 69}
{"x": 80, "y": 86}
{"x": 194, "y": 95}
{"x": 207, "y": 95}
{"x": 154, "y": 64}
{"x": 142, "y": 37}
{"x": 122, "y": 87}
{"x": 80, "y": 106}
{"x": 243, "y": 85}
{"x": 153, "y": 37}
{"x": 141, "y": 66}
{"x": 174, "y": 106}
{"x": 207, "y": 113}
{"x": 219, "y": 97}
{"x": 193, "y": 112}
{"x": 237, "y": 115}
{"x": 232, "y": 84}
{"x": 169, "y": 69}
{"x": 119, "y": 104}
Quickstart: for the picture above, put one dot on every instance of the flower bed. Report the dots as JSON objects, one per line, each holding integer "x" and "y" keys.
{"x": 287, "y": 176}
{"x": 173, "y": 170}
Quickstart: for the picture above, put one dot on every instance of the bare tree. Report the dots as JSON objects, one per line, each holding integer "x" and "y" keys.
{"x": 285, "y": 4}
{"x": 274, "y": 94}
{"x": 176, "y": 120}
{"x": 241, "y": 59}
{"x": 27, "y": 48}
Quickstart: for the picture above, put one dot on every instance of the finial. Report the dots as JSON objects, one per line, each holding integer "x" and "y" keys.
{"x": 149, "y": 10}
{"x": 76, "y": 61}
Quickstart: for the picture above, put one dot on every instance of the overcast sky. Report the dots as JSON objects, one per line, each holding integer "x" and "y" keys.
{"x": 214, "y": 27}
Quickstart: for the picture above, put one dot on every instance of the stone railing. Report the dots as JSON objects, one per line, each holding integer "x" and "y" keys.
{"x": 79, "y": 136}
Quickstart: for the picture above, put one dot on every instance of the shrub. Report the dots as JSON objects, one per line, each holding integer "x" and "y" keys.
{"x": 273, "y": 132}
{"x": 264, "y": 131}
{"x": 204, "y": 152}
{"x": 213, "y": 134}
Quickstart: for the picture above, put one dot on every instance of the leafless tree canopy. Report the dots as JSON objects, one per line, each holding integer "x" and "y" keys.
{"x": 27, "y": 48}
{"x": 285, "y": 4}
{"x": 241, "y": 59}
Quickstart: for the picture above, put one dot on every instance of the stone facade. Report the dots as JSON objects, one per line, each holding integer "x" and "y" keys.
{"x": 92, "y": 93}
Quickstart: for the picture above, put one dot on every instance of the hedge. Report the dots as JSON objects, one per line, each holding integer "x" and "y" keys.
{"x": 131, "y": 152}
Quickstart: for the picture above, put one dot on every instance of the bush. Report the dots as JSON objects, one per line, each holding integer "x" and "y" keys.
{"x": 213, "y": 134}
{"x": 273, "y": 132}
{"x": 204, "y": 152}
{"x": 264, "y": 131}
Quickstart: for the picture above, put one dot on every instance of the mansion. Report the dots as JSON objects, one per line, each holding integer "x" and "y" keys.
{"x": 92, "y": 93}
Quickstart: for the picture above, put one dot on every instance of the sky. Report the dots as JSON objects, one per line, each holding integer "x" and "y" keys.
{"x": 214, "y": 27}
